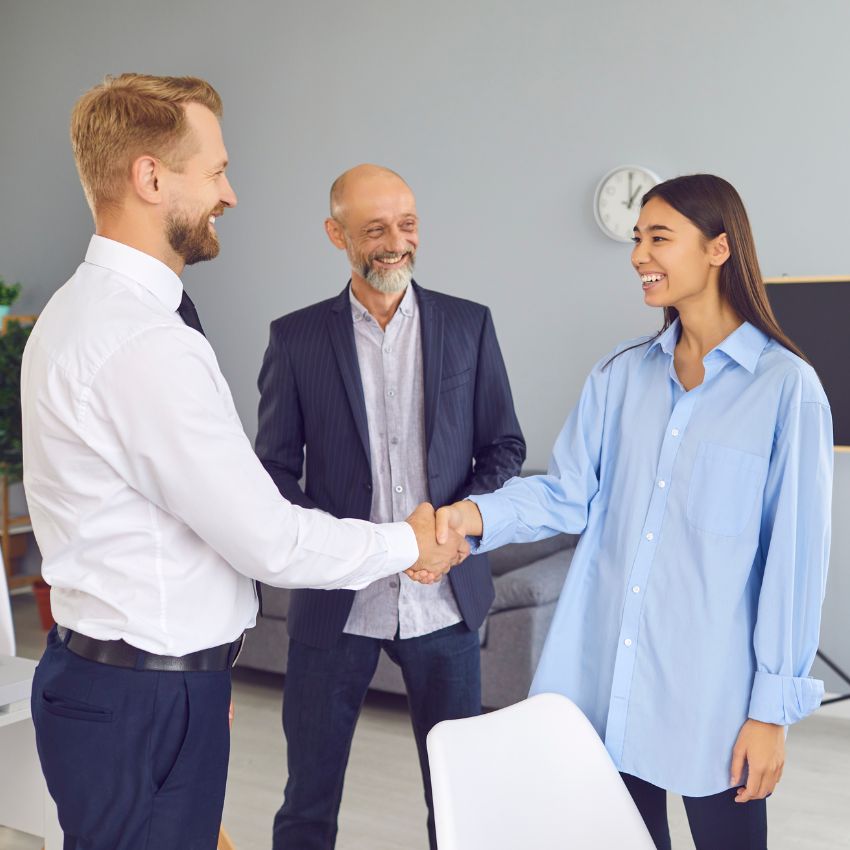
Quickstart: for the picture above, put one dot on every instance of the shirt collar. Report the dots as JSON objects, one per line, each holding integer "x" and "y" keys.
{"x": 407, "y": 307}
{"x": 666, "y": 340}
{"x": 142, "y": 268}
{"x": 744, "y": 345}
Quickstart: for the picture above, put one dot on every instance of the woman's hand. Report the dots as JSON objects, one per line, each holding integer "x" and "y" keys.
{"x": 462, "y": 517}
{"x": 762, "y": 747}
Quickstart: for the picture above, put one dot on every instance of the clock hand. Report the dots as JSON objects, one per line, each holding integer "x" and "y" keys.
{"x": 632, "y": 198}
{"x": 628, "y": 204}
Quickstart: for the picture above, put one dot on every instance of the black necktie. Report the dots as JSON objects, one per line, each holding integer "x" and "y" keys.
{"x": 189, "y": 314}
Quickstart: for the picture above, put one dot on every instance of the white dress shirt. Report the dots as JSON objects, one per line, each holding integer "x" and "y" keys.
{"x": 147, "y": 501}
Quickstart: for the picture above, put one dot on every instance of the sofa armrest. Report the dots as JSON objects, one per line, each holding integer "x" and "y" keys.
{"x": 275, "y": 602}
{"x": 507, "y": 558}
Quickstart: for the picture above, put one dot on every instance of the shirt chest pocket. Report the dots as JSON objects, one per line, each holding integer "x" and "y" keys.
{"x": 726, "y": 485}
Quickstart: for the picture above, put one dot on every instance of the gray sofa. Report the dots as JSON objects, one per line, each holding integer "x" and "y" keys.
{"x": 528, "y": 578}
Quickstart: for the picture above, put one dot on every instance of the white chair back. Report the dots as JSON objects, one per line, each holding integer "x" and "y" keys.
{"x": 7, "y": 629}
{"x": 532, "y": 776}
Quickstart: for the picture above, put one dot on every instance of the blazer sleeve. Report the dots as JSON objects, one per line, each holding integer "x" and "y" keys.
{"x": 498, "y": 443}
{"x": 280, "y": 424}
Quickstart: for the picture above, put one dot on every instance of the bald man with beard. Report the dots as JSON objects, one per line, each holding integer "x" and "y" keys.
{"x": 398, "y": 394}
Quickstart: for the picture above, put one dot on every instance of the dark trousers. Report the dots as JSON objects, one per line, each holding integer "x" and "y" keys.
{"x": 323, "y": 694}
{"x": 717, "y": 822}
{"x": 134, "y": 759}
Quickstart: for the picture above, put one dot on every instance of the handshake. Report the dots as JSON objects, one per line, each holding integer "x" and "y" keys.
{"x": 441, "y": 537}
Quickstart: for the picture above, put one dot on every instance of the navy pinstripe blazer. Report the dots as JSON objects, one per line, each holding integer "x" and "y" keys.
{"x": 311, "y": 397}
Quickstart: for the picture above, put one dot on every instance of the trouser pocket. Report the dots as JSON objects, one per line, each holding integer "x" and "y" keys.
{"x": 76, "y": 746}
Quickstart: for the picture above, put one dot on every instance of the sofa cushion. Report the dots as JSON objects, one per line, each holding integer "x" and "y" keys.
{"x": 514, "y": 555}
{"x": 532, "y": 585}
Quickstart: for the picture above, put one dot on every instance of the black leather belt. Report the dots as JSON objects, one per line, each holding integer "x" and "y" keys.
{"x": 119, "y": 653}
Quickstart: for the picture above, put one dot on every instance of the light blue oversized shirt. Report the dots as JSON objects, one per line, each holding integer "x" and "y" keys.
{"x": 693, "y": 600}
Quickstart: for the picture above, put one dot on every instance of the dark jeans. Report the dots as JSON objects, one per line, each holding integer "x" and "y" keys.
{"x": 717, "y": 822}
{"x": 323, "y": 694}
{"x": 135, "y": 759}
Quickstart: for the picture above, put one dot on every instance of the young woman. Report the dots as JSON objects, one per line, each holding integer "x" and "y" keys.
{"x": 697, "y": 466}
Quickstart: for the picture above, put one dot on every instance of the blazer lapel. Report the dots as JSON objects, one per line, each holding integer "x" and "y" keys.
{"x": 342, "y": 338}
{"x": 431, "y": 322}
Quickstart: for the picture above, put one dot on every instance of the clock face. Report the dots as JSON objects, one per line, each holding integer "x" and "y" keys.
{"x": 616, "y": 204}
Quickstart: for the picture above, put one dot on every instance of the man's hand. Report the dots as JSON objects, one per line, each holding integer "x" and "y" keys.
{"x": 762, "y": 746}
{"x": 435, "y": 558}
{"x": 464, "y": 518}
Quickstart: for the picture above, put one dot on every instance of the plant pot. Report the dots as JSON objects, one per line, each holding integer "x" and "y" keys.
{"x": 41, "y": 589}
{"x": 4, "y": 309}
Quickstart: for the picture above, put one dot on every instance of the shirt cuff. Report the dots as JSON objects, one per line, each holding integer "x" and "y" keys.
{"x": 497, "y": 520}
{"x": 783, "y": 699}
{"x": 402, "y": 548}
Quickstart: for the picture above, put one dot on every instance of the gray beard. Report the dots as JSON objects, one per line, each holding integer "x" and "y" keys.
{"x": 389, "y": 281}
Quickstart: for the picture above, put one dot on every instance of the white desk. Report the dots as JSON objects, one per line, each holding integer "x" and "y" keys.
{"x": 25, "y": 803}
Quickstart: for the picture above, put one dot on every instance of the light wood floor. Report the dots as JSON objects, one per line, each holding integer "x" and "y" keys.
{"x": 383, "y": 809}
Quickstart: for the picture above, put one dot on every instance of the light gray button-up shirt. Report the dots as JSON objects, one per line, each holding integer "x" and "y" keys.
{"x": 393, "y": 388}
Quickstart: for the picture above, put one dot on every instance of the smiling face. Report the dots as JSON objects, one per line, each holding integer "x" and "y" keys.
{"x": 375, "y": 222}
{"x": 677, "y": 265}
{"x": 200, "y": 192}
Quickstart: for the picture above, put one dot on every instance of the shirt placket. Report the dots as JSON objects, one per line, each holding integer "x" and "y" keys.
{"x": 629, "y": 637}
{"x": 389, "y": 362}
{"x": 392, "y": 405}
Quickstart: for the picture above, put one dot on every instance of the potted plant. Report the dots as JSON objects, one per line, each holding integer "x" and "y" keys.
{"x": 12, "y": 342}
{"x": 8, "y": 294}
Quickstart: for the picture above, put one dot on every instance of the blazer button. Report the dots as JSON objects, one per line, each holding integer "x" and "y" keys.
{"x": 368, "y": 487}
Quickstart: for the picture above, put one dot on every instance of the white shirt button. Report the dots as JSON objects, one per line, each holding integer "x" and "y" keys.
{"x": 399, "y": 488}
{"x": 387, "y": 349}
{"x": 628, "y": 641}
{"x": 675, "y": 432}
{"x": 636, "y": 589}
{"x": 390, "y": 393}
{"x": 394, "y": 441}
{"x": 662, "y": 484}
{"x": 650, "y": 536}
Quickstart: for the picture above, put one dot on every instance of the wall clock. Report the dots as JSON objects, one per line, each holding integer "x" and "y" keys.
{"x": 616, "y": 203}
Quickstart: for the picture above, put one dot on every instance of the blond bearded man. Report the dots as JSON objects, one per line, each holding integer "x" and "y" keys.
{"x": 152, "y": 513}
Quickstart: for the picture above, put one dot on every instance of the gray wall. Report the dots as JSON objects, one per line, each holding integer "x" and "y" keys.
{"x": 502, "y": 117}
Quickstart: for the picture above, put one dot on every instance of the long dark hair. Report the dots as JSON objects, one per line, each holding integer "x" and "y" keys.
{"x": 714, "y": 206}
